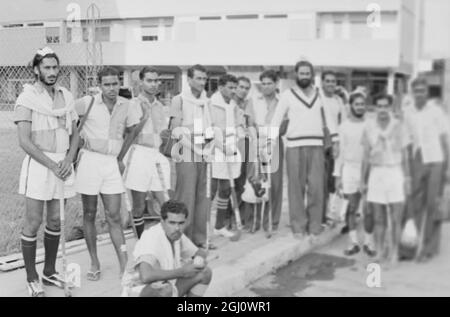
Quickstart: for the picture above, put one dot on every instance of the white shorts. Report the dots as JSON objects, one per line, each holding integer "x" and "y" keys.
{"x": 386, "y": 185}
{"x": 38, "y": 182}
{"x": 98, "y": 173}
{"x": 351, "y": 178}
{"x": 222, "y": 163}
{"x": 142, "y": 174}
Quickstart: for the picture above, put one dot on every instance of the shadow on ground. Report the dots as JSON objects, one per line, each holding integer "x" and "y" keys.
{"x": 298, "y": 275}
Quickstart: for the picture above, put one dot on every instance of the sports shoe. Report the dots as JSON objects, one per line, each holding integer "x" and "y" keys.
{"x": 367, "y": 250}
{"x": 352, "y": 250}
{"x": 35, "y": 289}
{"x": 54, "y": 280}
{"x": 224, "y": 232}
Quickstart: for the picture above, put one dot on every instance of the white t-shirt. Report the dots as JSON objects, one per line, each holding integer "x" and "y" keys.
{"x": 426, "y": 127}
{"x": 351, "y": 147}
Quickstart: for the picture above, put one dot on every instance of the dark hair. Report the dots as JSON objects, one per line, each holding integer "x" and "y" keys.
{"x": 271, "y": 74}
{"x": 227, "y": 78}
{"x": 174, "y": 207}
{"x": 243, "y": 78}
{"x": 389, "y": 98}
{"x": 37, "y": 59}
{"x": 355, "y": 96}
{"x": 307, "y": 64}
{"x": 145, "y": 70}
{"x": 197, "y": 67}
{"x": 419, "y": 81}
{"x": 107, "y": 71}
{"x": 328, "y": 73}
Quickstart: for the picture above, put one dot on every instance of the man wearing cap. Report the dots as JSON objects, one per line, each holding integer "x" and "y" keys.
{"x": 46, "y": 122}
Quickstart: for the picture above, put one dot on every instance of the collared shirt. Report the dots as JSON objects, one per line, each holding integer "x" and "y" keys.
{"x": 426, "y": 127}
{"x": 264, "y": 110}
{"x": 156, "y": 123}
{"x": 336, "y": 107}
{"x": 103, "y": 131}
{"x": 47, "y": 140}
{"x": 386, "y": 146}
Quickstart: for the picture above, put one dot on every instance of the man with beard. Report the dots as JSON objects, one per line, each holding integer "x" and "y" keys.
{"x": 109, "y": 122}
{"x": 429, "y": 126}
{"x": 348, "y": 172}
{"x": 142, "y": 174}
{"x": 46, "y": 122}
{"x": 305, "y": 150}
{"x": 385, "y": 165}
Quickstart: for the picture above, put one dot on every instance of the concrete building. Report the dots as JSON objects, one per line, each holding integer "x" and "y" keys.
{"x": 368, "y": 45}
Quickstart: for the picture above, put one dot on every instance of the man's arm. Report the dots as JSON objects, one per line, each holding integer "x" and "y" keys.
{"x": 151, "y": 273}
{"x": 24, "y": 131}
{"x": 66, "y": 164}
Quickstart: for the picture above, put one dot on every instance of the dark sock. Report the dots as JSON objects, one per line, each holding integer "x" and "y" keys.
{"x": 139, "y": 223}
{"x": 29, "y": 256}
{"x": 222, "y": 210}
{"x": 51, "y": 243}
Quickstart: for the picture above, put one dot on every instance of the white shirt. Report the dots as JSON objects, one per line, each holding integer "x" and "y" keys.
{"x": 426, "y": 127}
{"x": 336, "y": 108}
{"x": 352, "y": 150}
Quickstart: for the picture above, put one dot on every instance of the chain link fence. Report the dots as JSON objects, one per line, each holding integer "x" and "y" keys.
{"x": 18, "y": 48}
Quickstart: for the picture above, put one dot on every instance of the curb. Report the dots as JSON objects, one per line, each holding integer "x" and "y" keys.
{"x": 233, "y": 277}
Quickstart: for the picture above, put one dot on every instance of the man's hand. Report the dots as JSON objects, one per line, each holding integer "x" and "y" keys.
{"x": 121, "y": 167}
{"x": 190, "y": 270}
{"x": 65, "y": 168}
{"x": 335, "y": 150}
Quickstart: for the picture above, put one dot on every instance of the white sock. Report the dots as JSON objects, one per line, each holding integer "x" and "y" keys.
{"x": 368, "y": 239}
{"x": 353, "y": 237}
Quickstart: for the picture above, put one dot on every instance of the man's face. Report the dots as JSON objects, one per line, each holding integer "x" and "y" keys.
{"x": 420, "y": 93}
{"x": 268, "y": 87}
{"x": 329, "y": 84}
{"x": 48, "y": 71}
{"x": 150, "y": 83}
{"x": 228, "y": 91}
{"x": 110, "y": 86}
{"x": 198, "y": 81}
{"x": 242, "y": 90}
{"x": 174, "y": 225}
{"x": 384, "y": 111}
{"x": 304, "y": 77}
{"x": 359, "y": 106}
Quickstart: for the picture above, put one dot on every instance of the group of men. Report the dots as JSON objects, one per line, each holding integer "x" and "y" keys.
{"x": 223, "y": 144}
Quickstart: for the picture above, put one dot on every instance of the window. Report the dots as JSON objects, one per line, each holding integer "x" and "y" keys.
{"x": 358, "y": 26}
{"x": 210, "y": 18}
{"x": 52, "y": 35}
{"x": 69, "y": 35}
{"x": 331, "y": 25}
{"x": 102, "y": 34}
{"x": 242, "y": 17}
{"x": 149, "y": 33}
{"x": 275, "y": 16}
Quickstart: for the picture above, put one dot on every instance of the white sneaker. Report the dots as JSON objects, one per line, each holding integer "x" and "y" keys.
{"x": 224, "y": 232}
{"x": 35, "y": 289}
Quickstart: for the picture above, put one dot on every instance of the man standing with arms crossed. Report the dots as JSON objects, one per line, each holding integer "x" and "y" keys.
{"x": 142, "y": 174}
{"x": 46, "y": 122}
{"x": 305, "y": 150}
{"x": 100, "y": 163}
{"x": 190, "y": 119}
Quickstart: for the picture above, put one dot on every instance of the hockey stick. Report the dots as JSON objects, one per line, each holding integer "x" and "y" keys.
{"x": 67, "y": 291}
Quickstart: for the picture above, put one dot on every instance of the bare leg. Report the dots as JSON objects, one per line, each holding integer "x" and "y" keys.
{"x": 138, "y": 210}
{"x": 90, "y": 232}
{"x": 112, "y": 210}
{"x": 380, "y": 229}
{"x": 185, "y": 286}
{"x": 396, "y": 216}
